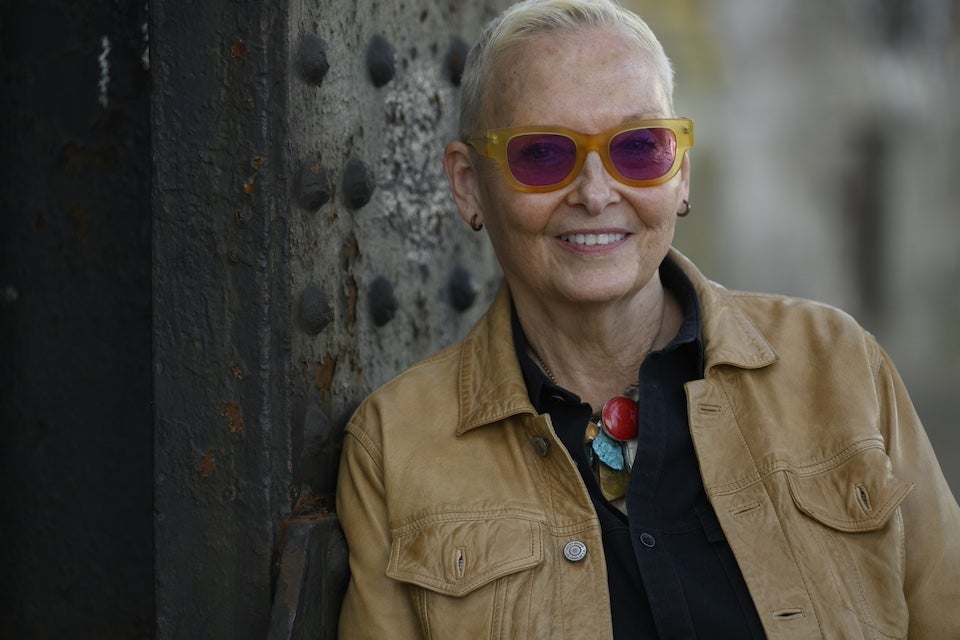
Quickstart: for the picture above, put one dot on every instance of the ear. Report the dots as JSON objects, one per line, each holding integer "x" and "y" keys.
{"x": 684, "y": 192}
{"x": 462, "y": 178}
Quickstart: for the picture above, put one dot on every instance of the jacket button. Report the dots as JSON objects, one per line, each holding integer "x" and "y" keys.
{"x": 647, "y": 539}
{"x": 575, "y": 551}
{"x": 542, "y": 446}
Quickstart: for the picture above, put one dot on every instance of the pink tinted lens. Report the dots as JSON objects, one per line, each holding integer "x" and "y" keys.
{"x": 541, "y": 159}
{"x": 643, "y": 154}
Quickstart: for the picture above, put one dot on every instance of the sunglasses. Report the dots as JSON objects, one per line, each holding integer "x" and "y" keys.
{"x": 643, "y": 153}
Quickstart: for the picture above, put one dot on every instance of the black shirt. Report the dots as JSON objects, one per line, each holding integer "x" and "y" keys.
{"x": 670, "y": 570}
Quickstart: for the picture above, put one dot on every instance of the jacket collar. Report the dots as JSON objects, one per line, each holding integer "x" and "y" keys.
{"x": 491, "y": 385}
{"x": 729, "y": 336}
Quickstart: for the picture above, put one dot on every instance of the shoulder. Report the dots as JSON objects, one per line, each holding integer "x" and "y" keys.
{"x": 787, "y": 320}
{"x": 786, "y": 324}
{"x": 428, "y": 387}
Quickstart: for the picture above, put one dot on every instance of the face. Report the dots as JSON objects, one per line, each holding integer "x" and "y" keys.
{"x": 595, "y": 240}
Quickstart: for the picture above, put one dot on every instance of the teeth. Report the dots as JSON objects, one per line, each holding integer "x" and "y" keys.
{"x": 590, "y": 239}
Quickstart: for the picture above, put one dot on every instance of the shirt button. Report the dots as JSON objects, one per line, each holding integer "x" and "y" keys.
{"x": 647, "y": 539}
{"x": 542, "y": 446}
{"x": 575, "y": 551}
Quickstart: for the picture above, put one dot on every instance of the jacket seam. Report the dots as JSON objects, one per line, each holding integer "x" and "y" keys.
{"x": 805, "y": 471}
{"x": 481, "y": 579}
{"x": 366, "y": 443}
{"x": 779, "y": 520}
{"x": 864, "y": 525}
{"x": 463, "y": 516}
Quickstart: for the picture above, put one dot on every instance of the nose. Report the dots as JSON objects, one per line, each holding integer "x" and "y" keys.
{"x": 594, "y": 188}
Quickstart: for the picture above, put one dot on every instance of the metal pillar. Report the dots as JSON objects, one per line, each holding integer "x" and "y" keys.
{"x": 305, "y": 249}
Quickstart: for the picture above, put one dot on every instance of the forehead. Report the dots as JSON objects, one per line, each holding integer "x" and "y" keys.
{"x": 587, "y": 80}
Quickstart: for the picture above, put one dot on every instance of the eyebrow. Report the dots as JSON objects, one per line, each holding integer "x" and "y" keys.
{"x": 646, "y": 114}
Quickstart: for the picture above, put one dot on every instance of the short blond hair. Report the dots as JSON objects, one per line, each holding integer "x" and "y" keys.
{"x": 530, "y": 19}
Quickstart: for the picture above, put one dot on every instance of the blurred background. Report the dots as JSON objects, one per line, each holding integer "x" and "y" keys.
{"x": 826, "y": 167}
{"x": 194, "y": 294}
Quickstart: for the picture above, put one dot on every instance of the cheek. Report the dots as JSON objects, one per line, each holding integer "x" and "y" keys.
{"x": 656, "y": 212}
{"x": 511, "y": 211}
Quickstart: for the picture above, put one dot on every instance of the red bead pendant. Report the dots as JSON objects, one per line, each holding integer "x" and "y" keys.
{"x": 620, "y": 418}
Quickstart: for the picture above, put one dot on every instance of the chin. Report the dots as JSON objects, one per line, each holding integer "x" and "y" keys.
{"x": 599, "y": 290}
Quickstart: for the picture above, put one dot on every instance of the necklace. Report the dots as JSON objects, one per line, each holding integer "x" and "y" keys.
{"x": 543, "y": 365}
{"x": 610, "y": 437}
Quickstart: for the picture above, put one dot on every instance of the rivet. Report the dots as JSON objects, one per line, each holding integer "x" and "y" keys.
{"x": 380, "y": 60}
{"x": 315, "y": 186}
{"x": 313, "y": 59}
{"x": 9, "y": 294}
{"x": 383, "y": 302}
{"x": 358, "y": 183}
{"x": 316, "y": 430}
{"x": 463, "y": 291}
{"x": 316, "y": 311}
{"x": 455, "y": 59}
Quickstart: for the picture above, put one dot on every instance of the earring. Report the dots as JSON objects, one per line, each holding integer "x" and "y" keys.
{"x": 475, "y": 223}
{"x": 686, "y": 209}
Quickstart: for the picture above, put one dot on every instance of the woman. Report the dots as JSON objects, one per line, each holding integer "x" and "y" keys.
{"x": 621, "y": 448}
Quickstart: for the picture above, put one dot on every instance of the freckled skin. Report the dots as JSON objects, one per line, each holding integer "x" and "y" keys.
{"x": 590, "y": 312}
{"x": 589, "y": 81}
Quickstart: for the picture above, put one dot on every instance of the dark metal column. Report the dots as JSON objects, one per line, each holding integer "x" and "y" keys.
{"x": 221, "y": 311}
{"x": 76, "y": 477}
{"x": 305, "y": 250}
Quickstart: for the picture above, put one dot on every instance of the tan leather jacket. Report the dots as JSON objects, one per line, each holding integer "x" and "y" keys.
{"x": 458, "y": 500}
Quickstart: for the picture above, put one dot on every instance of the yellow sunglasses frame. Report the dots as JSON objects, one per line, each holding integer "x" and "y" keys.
{"x": 493, "y": 144}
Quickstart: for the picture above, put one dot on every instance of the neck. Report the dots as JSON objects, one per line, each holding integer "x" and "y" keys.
{"x": 596, "y": 350}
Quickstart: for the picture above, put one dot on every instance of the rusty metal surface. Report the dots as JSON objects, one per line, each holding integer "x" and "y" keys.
{"x": 222, "y": 316}
{"x": 305, "y": 250}
{"x": 311, "y": 580}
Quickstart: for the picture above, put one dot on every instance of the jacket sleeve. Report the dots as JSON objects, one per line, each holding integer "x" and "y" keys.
{"x": 374, "y": 606}
{"x": 931, "y": 517}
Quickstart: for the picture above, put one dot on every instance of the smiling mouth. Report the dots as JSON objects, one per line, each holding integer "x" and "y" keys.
{"x": 591, "y": 239}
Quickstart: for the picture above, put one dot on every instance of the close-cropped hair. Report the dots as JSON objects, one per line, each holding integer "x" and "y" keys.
{"x": 530, "y": 19}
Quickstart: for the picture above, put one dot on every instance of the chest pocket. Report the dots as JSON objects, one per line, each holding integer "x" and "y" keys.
{"x": 856, "y": 526}
{"x": 471, "y": 573}
{"x": 860, "y": 494}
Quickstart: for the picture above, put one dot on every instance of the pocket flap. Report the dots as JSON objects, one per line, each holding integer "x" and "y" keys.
{"x": 455, "y": 553}
{"x": 859, "y": 494}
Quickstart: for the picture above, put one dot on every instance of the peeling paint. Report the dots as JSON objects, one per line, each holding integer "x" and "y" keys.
{"x": 238, "y": 49}
{"x": 323, "y": 372}
{"x": 103, "y": 84}
{"x": 208, "y": 464}
{"x": 234, "y": 415}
